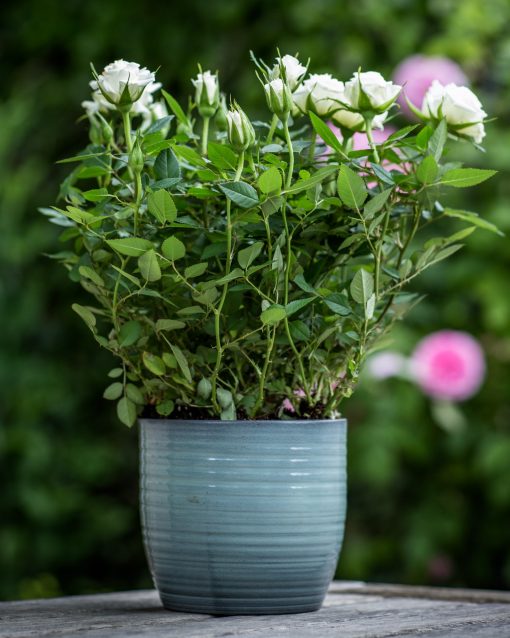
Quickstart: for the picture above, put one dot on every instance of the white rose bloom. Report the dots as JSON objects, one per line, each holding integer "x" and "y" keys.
{"x": 355, "y": 121}
{"x": 154, "y": 112}
{"x": 379, "y": 93}
{"x": 98, "y": 104}
{"x": 320, "y": 92}
{"x": 459, "y": 106}
{"x": 123, "y": 82}
{"x": 294, "y": 70}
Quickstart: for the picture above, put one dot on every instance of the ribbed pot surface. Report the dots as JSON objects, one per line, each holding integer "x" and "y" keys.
{"x": 242, "y": 517}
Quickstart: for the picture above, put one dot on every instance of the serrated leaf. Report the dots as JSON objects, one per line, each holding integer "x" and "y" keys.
{"x": 472, "y": 218}
{"x": 300, "y": 281}
{"x": 241, "y": 193}
{"x": 299, "y": 330}
{"x": 166, "y": 165}
{"x": 182, "y": 362}
{"x": 173, "y": 248}
{"x": 129, "y": 333}
{"x": 272, "y": 205}
{"x": 113, "y": 391}
{"x": 126, "y": 411}
{"x": 464, "y": 177}
{"x": 362, "y": 286}
{"x": 336, "y": 303}
{"x": 158, "y": 125}
{"x": 195, "y": 270}
{"x": 134, "y": 394}
{"x": 88, "y": 317}
{"x": 273, "y": 314}
{"x": 169, "y": 324}
{"x": 298, "y": 304}
{"x": 270, "y": 181}
{"x": 153, "y": 363}
{"x": 426, "y": 172}
{"x": 162, "y": 206}
{"x": 221, "y": 156}
{"x": 90, "y": 273}
{"x": 247, "y": 256}
{"x": 438, "y": 140}
{"x": 149, "y": 266}
{"x": 375, "y": 204}
{"x": 351, "y": 188}
{"x": 130, "y": 246}
{"x": 313, "y": 180}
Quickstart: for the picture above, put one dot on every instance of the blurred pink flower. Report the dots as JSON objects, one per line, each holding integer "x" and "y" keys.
{"x": 360, "y": 140}
{"x": 387, "y": 364}
{"x": 448, "y": 365}
{"x": 417, "y": 72}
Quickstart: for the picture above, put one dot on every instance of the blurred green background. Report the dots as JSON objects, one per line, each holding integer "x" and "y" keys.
{"x": 426, "y": 505}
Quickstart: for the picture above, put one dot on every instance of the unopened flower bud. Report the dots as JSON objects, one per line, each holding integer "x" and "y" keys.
{"x": 241, "y": 133}
{"x": 207, "y": 93}
{"x": 279, "y": 98}
{"x": 136, "y": 159}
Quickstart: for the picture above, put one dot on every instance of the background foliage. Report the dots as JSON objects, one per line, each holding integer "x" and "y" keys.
{"x": 426, "y": 505}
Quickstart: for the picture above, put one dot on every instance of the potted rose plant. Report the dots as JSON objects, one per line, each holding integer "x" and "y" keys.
{"x": 240, "y": 272}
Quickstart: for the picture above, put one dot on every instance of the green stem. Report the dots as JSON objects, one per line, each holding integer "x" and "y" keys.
{"x": 272, "y": 129}
{"x": 368, "y": 123}
{"x": 288, "y": 141}
{"x": 379, "y": 253}
{"x": 263, "y": 374}
{"x": 205, "y": 135}
{"x": 138, "y": 194}
{"x": 126, "y": 120}
{"x": 217, "y": 311}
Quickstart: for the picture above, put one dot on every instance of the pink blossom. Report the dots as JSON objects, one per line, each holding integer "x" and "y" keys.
{"x": 360, "y": 140}
{"x": 287, "y": 406}
{"x": 417, "y": 72}
{"x": 448, "y": 365}
{"x": 387, "y": 364}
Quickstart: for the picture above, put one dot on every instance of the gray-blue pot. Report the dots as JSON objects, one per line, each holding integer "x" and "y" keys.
{"x": 242, "y": 517}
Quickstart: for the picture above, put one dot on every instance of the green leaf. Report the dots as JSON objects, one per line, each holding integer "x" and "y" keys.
{"x": 270, "y": 181}
{"x": 165, "y": 407}
{"x": 166, "y": 165}
{"x": 464, "y": 177}
{"x": 300, "y": 281}
{"x": 273, "y": 314}
{"x": 362, "y": 286}
{"x": 351, "y": 188}
{"x": 309, "y": 182}
{"x": 96, "y": 194}
{"x": 299, "y": 330}
{"x": 189, "y": 155}
{"x": 127, "y": 275}
{"x": 77, "y": 215}
{"x": 169, "y": 324}
{"x": 324, "y": 132}
{"x": 427, "y": 170}
{"x": 153, "y": 363}
{"x": 126, "y": 411}
{"x": 221, "y": 156}
{"x": 158, "y": 125}
{"x": 370, "y": 307}
{"x": 175, "y": 108}
{"x": 336, "y": 303}
{"x": 88, "y": 317}
{"x": 168, "y": 182}
{"x": 115, "y": 373}
{"x": 130, "y": 246}
{"x": 438, "y": 140}
{"x": 134, "y": 394}
{"x": 298, "y": 304}
{"x": 129, "y": 333}
{"x": 173, "y": 248}
{"x": 241, "y": 193}
{"x": 195, "y": 270}
{"x": 181, "y": 360}
{"x": 149, "y": 266}
{"x": 225, "y": 398}
{"x": 247, "y": 256}
{"x": 113, "y": 391}
{"x": 472, "y": 218}
{"x": 375, "y": 204}
{"x": 161, "y": 205}
{"x": 236, "y": 273}
{"x": 90, "y": 273}
{"x": 271, "y": 205}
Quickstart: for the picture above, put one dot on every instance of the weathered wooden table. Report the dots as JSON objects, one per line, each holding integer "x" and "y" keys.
{"x": 351, "y": 610}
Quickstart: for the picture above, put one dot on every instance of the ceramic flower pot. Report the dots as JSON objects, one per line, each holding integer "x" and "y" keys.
{"x": 242, "y": 517}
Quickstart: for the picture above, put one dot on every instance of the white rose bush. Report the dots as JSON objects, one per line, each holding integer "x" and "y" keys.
{"x": 240, "y": 268}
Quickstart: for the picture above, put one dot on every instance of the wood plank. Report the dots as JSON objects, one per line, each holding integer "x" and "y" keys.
{"x": 351, "y": 610}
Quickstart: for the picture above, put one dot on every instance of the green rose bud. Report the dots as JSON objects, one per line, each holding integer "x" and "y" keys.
{"x": 136, "y": 158}
{"x": 279, "y": 98}
{"x": 241, "y": 133}
{"x": 207, "y": 93}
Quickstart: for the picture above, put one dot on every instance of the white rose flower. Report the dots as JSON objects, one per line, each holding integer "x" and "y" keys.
{"x": 123, "y": 83}
{"x": 98, "y": 104}
{"x": 355, "y": 121}
{"x": 207, "y": 93}
{"x": 294, "y": 70}
{"x": 459, "y": 106}
{"x": 279, "y": 97}
{"x": 320, "y": 93}
{"x": 154, "y": 112}
{"x": 370, "y": 91}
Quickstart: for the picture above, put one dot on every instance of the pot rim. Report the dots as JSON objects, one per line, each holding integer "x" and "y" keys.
{"x": 246, "y": 422}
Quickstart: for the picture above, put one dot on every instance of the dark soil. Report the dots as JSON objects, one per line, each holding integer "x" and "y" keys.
{"x": 192, "y": 413}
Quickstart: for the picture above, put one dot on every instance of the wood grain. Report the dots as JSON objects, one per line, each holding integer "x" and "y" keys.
{"x": 351, "y": 610}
